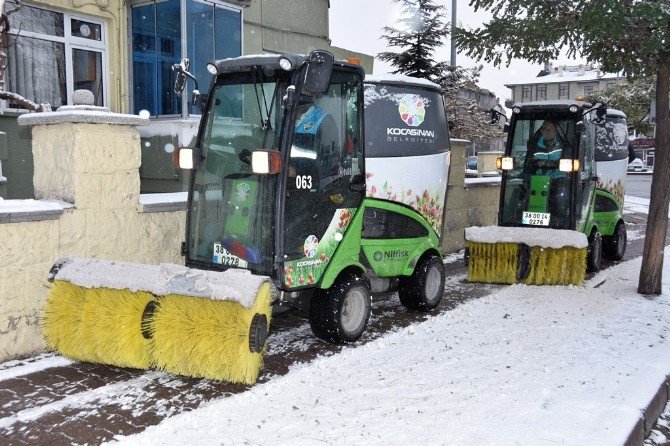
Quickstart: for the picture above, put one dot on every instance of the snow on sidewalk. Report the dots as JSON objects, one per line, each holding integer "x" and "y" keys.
{"x": 528, "y": 365}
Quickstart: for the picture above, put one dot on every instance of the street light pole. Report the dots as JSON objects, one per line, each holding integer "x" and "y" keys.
{"x": 453, "y": 25}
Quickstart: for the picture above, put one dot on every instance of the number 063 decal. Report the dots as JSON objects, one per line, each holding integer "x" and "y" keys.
{"x": 303, "y": 182}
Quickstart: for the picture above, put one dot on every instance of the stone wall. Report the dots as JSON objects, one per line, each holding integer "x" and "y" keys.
{"x": 87, "y": 175}
{"x": 470, "y": 202}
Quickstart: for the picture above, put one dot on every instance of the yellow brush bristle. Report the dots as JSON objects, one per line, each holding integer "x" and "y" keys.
{"x": 112, "y": 331}
{"x": 208, "y": 338}
{"x": 492, "y": 262}
{"x": 497, "y": 263}
{"x": 564, "y": 266}
{"x": 61, "y": 324}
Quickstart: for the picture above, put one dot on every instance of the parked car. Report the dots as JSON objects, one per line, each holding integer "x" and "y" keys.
{"x": 471, "y": 167}
{"x": 637, "y": 166}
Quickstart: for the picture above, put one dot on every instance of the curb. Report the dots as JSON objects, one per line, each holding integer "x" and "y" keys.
{"x": 649, "y": 415}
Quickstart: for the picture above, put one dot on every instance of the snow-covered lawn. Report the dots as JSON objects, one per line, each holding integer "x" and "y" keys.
{"x": 527, "y": 365}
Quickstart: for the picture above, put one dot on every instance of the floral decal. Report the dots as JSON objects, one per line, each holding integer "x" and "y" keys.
{"x": 308, "y": 270}
{"x": 428, "y": 205}
{"x": 616, "y": 189}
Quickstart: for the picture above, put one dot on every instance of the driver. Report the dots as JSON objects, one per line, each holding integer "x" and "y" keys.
{"x": 543, "y": 156}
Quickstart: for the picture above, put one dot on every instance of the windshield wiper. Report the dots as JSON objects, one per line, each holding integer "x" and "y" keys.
{"x": 266, "y": 122}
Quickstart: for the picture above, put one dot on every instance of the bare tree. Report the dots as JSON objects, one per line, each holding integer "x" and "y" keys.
{"x": 14, "y": 98}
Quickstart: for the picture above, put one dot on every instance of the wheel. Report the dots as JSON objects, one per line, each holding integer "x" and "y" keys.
{"x": 341, "y": 313}
{"x": 595, "y": 254}
{"x": 614, "y": 246}
{"x": 424, "y": 288}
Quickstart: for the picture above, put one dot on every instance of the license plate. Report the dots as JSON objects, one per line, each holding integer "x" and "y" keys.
{"x": 535, "y": 218}
{"x": 223, "y": 257}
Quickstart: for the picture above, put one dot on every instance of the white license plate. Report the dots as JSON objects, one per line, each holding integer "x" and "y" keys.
{"x": 535, "y": 218}
{"x": 225, "y": 258}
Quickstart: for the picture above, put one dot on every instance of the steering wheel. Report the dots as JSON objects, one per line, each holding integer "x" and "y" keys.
{"x": 543, "y": 164}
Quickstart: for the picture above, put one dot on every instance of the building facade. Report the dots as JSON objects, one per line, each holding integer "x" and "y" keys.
{"x": 123, "y": 50}
{"x": 562, "y": 82}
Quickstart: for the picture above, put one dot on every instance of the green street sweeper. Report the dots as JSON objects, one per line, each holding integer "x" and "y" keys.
{"x": 561, "y": 196}
{"x": 311, "y": 187}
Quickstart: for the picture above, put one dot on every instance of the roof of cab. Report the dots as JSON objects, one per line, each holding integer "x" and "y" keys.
{"x": 550, "y": 105}
{"x": 270, "y": 61}
{"x": 397, "y": 79}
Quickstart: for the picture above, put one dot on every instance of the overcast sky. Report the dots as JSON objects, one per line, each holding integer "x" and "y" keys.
{"x": 356, "y": 25}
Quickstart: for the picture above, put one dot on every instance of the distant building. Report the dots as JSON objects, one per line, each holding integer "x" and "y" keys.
{"x": 485, "y": 100}
{"x": 562, "y": 82}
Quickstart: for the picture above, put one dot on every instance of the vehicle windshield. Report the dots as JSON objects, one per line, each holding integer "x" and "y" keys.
{"x": 232, "y": 210}
{"x": 536, "y": 192}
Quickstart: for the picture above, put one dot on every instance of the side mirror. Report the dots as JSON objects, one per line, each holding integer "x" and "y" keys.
{"x": 579, "y": 128}
{"x": 181, "y": 69}
{"x": 495, "y": 117}
{"x": 266, "y": 162}
{"x": 189, "y": 159}
{"x": 317, "y": 73}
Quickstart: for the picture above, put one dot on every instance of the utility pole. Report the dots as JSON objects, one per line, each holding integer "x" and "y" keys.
{"x": 453, "y": 25}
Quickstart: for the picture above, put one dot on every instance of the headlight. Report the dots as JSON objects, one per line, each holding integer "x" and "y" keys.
{"x": 573, "y": 109}
{"x": 212, "y": 68}
{"x": 285, "y": 64}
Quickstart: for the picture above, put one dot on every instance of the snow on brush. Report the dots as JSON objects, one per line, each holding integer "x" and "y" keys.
{"x": 164, "y": 279}
{"x": 543, "y": 237}
{"x": 528, "y": 365}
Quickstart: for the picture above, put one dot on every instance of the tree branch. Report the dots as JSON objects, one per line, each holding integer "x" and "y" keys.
{"x": 17, "y": 99}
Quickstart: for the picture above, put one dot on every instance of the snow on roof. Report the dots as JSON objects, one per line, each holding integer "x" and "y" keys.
{"x": 233, "y": 284}
{"x": 568, "y": 76}
{"x": 552, "y": 103}
{"x": 400, "y": 79}
{"x": 543, "y": 237}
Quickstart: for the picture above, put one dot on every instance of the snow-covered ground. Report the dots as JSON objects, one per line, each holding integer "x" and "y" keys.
{"x": 527, "y": 365}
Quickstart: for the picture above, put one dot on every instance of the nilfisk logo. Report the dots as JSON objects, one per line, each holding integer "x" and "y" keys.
{"x": 412, "y": 110}
{"x": 395, "y": 254}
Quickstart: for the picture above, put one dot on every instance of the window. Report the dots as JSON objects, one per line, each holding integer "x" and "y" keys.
{"x": 51, "y": 54}
{"x": 383, "y": 224}
{"x": 563, "y": 91}
{"x": 212, "y": 30}
{"x": 541, "y": 93}
{"x": 588, "y": 89}
{"x": 525, "y": 94}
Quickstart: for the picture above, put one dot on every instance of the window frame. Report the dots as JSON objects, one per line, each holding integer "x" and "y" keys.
{"x": 183, "y": 27}
{"x": 524, "y": 89}
{"x": 567, "y": 91}
{"x": 71, "y": 43}
{"x": 539, "y": 88}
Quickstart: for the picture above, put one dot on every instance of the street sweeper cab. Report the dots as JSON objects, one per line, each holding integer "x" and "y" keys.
{"x": 563, "y": 172}
{"x": 332, "y": 187}
{"x": 285, "y": 208}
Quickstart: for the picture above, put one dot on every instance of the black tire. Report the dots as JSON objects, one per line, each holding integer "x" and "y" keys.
{"x": 614, "y": 246}
{"x": 423, "y": 290}
{"x": 341, "y": 313}
{"x": 595, "y": 253}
